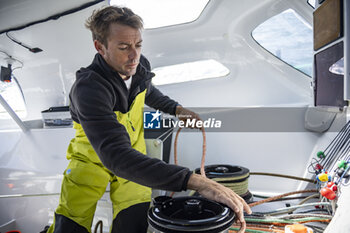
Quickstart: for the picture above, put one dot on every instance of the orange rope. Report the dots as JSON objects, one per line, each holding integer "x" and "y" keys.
{"x": 281, "y": 196}
{"x": 301, "y": 222}
{"x": 175, "y": 147}
{"x": 275, "y": 226}
{"x": 203, "y": 153}
{"x": 202, "y": 170}
{"x": 176, "y": 162}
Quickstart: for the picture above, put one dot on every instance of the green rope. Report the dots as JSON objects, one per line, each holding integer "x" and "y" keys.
{"x": 239, "y": 184}
{"x": 240, "y": 188}
{"x": 231, "y": 178}
{"x": 277, "y": 220}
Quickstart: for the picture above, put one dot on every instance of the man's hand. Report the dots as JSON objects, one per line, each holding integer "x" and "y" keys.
{"x": 185, "y": 114}
{"x": 219, "y": 193}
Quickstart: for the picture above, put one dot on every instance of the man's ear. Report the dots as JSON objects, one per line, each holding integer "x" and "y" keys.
{"x": 99, "y": 47}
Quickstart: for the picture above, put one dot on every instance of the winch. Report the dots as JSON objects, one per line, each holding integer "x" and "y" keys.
{"x": 233, "y": 177}
{"x": 189, "y": 214}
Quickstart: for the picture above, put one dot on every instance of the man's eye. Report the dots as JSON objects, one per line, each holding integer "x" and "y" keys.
{"x": 139, "y": 45}
{"x": 123, "y": 48}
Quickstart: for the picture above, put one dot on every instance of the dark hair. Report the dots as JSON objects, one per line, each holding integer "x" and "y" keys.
{"x": 100, "y": 21}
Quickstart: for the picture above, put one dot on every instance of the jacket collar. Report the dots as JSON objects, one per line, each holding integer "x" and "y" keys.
{"x": 141, "y": 70}
{"x": 105, "y": 68}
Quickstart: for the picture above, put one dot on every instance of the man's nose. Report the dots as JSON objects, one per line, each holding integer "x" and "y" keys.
{"x": 133, "y": 53}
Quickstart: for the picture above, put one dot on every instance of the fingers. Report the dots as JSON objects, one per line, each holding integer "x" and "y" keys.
{"x": 236, "y": 205}
{"x": 233, "y": 201}
{"x": 240, "y": 202}
{"x": 246, "y": 207}
{"x": 217, "y": 192}
{"x": 185, "y": 114}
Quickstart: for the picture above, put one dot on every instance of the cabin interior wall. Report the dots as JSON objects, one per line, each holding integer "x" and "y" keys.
{"x": 46, "y": 77}
{"x": 31, "y": 170}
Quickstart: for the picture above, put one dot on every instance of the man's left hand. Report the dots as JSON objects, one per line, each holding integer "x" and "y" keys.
{"x": 185, "y": 114}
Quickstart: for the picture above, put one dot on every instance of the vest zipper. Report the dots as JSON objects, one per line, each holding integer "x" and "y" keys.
{"x": 133, "y": 129}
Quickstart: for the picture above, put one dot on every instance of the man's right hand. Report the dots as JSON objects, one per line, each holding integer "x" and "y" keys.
{"x": 219, "y": 193}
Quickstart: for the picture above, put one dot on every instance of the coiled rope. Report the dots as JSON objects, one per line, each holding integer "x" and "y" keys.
{"x": 238, "y": 186}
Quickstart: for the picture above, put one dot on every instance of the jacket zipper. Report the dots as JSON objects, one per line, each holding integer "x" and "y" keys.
{"x": 133, "y": 129}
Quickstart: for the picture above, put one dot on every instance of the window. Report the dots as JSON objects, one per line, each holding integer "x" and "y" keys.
{"x": 338, "y": 67}
{"x": 160, "y": 13}
{"x": 312, "y": 3}
{"x": 288, "y": 37}
{"x": 12, "y": 93}
{"x": 190, "y": 71}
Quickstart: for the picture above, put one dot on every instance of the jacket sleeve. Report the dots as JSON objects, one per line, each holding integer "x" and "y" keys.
{"x": 156, "y": 100}
{"x": 92, "y": 99}
{"x": 154, "y": 97}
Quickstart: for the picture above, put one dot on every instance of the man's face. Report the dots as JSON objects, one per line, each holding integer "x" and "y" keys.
{"x": 124, "y": 49}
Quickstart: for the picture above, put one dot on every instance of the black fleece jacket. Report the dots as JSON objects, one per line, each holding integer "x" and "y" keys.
{"x": 99, "y": 91}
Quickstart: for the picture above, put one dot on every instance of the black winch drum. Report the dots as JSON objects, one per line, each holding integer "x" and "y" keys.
{"x": 234, "y": 177}
{"x": 189, "y": 214}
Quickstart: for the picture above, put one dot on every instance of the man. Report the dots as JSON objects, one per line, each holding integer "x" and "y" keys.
{"x": 107, "y": 101}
